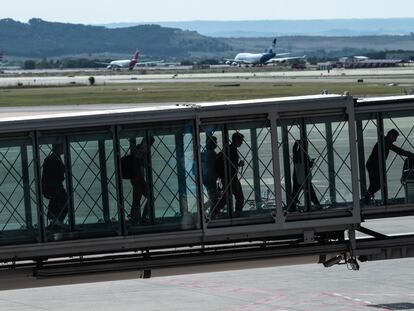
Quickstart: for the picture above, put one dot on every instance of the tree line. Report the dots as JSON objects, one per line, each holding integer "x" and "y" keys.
{"x": 60, "y": 64}
{"x": 94, "y": 63}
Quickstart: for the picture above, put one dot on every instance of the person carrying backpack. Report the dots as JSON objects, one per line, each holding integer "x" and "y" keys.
{"x": 233, "y": 181}
{"x": 209, "y": 176}
{"x": 138, "y": 182}
{"x": 301, "y": 173}
{"x": 53, "y": 176}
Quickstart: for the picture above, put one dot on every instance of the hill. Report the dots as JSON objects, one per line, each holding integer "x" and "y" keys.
{"x": 38, "y": 39}
{"x": 42, "y": 39}
{"x": 270, "y": 28}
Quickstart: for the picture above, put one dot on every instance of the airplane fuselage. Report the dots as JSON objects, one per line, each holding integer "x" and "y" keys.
{"x": 122, "y": 63}
{"x": 253, "y": 58}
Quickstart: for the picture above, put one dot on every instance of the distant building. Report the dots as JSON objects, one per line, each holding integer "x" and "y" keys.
{"x": 326, "y": 66}
{"x": 404, "y": 56}
{"x": 365, "y": 62}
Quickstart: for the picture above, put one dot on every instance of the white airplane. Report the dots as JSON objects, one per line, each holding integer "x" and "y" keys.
{"x": 260, "y": 58}
{"x": 129, "y": 63}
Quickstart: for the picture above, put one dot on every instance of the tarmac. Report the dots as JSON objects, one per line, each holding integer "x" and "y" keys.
{"x": 380, "y": 285}
{"x": 403, "y": 75}
{"x": 385, "y": 285}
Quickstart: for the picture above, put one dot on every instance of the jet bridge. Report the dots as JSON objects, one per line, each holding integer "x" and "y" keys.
{"x": 199, "y": 187}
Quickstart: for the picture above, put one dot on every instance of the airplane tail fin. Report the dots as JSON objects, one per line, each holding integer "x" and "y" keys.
{"x": 134, "y": 60}
{"x": 273, "y": 47}
{"x": 136, "y": 55}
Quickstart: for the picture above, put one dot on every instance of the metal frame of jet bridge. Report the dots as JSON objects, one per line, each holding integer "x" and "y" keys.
{"x": 283, "y": 216}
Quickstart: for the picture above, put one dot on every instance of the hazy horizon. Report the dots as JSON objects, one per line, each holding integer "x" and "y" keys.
{"x": 210, "y": 20}
{"x": 102, "y": 12}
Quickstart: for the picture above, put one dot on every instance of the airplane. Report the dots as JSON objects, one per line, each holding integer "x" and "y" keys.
{"x": 126, "y": 63}
{"x": 254, "y": 59}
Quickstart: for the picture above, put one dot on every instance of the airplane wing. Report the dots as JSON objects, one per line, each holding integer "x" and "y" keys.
{"x": 284, "y": 59}
{"x": 101, "y": 63}
{"x": 150, "y": 63}
{"x": 282, "y": 54}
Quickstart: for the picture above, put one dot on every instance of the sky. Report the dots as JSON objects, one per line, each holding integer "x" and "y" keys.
{"x": 107, "y": 11}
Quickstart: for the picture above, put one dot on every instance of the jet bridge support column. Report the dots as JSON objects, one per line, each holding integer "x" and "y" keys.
{"x": 69, "y": 183}
{"x": 38, "y": 184}
{"x": 256, "y": 168}
{"x": 307, "y": 183}
{"x": 381, "y": 158}
{"x": 181, "y": 175}
{"x": 286, "y": 164}
{"x": 361, "y": 157}
{"x": 119, "y": 188}
{"x": 331, "y": 163}
{"x": 104, "y": 180}
{"x": 26, "y": 186}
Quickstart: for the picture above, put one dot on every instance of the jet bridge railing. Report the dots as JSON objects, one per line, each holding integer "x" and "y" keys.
{"x": 84, "y": 203}
{"x": 385, "y": 135}
{"x": 318, "y": 163}
{"x": 19, "y": 215}
{"x": 66, "y": 179}
{"x": 249, "y": 181}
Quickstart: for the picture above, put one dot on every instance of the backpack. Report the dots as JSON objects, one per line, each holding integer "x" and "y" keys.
{"x": 219, "y": 165}
{"x": 127, "y": 162}
{"x": 52, "y": 176}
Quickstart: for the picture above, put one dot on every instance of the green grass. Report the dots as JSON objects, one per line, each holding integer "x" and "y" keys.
{"x": 180, "y": 92}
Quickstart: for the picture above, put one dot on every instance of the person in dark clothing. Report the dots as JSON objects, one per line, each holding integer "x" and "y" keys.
{"x": 235, "y": 163}
{"x": 233, "y": 182}
{"x": 301, "y": 173}
{"x": 52, "y": 186}
{"x": 139, "y": 184}
{"x": 209, "y": 175}
{"x": 373, "y": 165}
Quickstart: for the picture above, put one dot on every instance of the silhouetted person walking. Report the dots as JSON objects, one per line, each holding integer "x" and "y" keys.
{"x": 233, "y": 182}
{"x": 209, "y": 174}
{"x": 373, "y": 164}
{"x": 301, "y": 173}
{"x": 52, "y": 186}
{"x": 139, "y": 184}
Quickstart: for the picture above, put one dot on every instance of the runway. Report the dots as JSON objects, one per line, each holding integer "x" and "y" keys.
{"x": 404, "y": 75}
